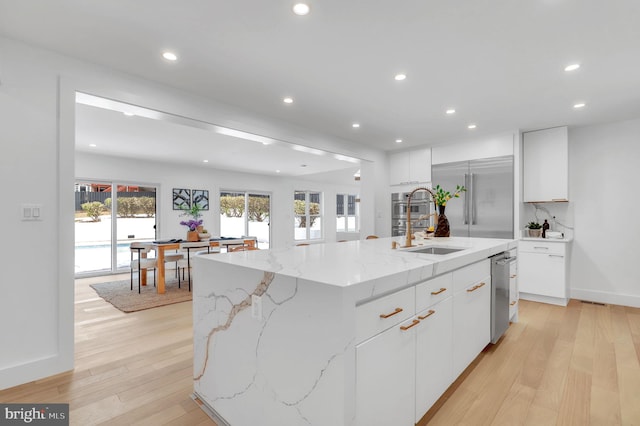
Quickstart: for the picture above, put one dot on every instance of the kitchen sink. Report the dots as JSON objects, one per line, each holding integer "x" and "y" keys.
{"x": 436, "y": 250}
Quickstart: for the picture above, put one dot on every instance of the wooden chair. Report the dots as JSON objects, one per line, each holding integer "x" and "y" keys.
{"x": 371, "y": 237}
{"x": 190, "y": 248}
{"x": 141, "y": 262}
{"x": 243, "y": 248}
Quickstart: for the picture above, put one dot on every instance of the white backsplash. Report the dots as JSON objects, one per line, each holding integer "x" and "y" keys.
{"x": 563, "y": 213}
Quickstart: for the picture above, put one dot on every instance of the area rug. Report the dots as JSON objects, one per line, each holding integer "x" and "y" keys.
{"x": 120, "y": 295}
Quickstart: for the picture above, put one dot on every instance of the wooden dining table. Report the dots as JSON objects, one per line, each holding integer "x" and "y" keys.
{"x": 161, "y": 247}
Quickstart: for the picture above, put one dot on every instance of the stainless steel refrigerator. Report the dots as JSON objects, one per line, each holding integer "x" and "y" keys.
{"x": 486, "y": 209}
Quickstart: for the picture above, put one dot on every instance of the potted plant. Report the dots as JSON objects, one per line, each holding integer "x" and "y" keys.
{"x": 535, "y": 229}
{"x": 441, "y": 196}
{"x": 194, "y": 223}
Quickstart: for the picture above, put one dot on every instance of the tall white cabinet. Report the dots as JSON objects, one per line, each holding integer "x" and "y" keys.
{"x": 546, "y": 165}
{"x": 410, "y": 167}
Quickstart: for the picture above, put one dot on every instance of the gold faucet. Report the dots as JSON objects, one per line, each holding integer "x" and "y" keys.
{"x": 433, "y": 197}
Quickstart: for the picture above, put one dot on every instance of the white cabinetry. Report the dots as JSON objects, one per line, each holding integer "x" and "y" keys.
{"x": 434, "y": 354}
{"x": 513, "y": 292}
{"x": 385, "y": 360}
{"x": 409, "y": 167}
{"x": 385, "y": 372}
{"x": 406, "y": 360}
{"x": 546, "y": 165}
{"x": 472, "y": 313}
{"x": 542, "y": 271}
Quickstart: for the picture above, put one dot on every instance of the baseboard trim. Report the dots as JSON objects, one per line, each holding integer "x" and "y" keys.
{"x": 605, "y": 297}
{"x": 543, "y": 299}
{"x": 213, "y": 414}
{"x": 32, "y": 370}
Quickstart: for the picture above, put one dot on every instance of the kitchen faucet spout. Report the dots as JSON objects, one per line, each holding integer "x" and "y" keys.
{"x": 433, "y": 197}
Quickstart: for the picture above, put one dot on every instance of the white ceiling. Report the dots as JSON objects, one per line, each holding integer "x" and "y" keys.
{"x": 103, "y": 128}
{"x": 499, "y": 63}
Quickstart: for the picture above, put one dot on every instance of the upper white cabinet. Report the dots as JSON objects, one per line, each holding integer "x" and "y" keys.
{"x": 546, "y": 165}
{"x": 410, "y": 167}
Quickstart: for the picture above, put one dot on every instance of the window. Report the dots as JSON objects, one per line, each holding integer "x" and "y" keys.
{"x": 307, "y": 207}
{"x": 245, "y": 213}
{"x": 346, "y": 213}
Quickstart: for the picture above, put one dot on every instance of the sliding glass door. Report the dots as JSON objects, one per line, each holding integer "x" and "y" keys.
{"x": 245, "y": 214}
{"x": 107, "y": 221}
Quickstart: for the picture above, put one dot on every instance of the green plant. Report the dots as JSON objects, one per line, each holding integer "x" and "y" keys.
{"x": 146, "y": 206}
{"x": 443, "y": 196}
{"x": 232, "y": 206}
{"x": 127, "y": 206}
{"x": 534, "y": 225}
{"x": 300, "y": 211}
{"x": 258, "y": 208}
{"x": 195, "y": 212}
{"x": 93, "y": 210}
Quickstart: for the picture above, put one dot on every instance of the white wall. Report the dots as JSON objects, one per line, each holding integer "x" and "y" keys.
{"x": 37, "y": 101}
{"x": 603, "y": 176}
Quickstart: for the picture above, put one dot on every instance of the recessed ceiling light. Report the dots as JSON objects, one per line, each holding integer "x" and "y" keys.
{"x": 355, "y": 125}
{"x": 471, "y": 126}
{"x": 579, "y": 105}
{"x": 398, "y": 140}
{"x": 303, "y": 165}
{"x": 277, "y": 171}
{"x": 288, "y": 100}
{"x": 451, "y": 111}
{"x": 400, "y": 77}
{"x": 205, "y": 161}
{"x": 170, "y": 56}
{"x": 92, "y": 145}
{"x": 129, "y": 114}
{"x": 572, "y": 67}
{"x": 301, "y": 9}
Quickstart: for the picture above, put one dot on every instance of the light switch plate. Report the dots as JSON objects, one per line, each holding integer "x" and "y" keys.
{"x": 31, "y": 212}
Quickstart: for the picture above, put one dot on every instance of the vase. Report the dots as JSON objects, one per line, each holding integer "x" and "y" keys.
{"x": 193, "y": 236}
{"x": 442, "y": 227}
{"x": 535, "y": 233}
{"x": 200, "y": 228}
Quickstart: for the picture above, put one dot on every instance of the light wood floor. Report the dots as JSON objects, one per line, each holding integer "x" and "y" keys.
{"x": 578, "y": 365}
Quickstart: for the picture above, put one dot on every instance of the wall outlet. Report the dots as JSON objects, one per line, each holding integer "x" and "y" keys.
{"x": 256, "y": 307}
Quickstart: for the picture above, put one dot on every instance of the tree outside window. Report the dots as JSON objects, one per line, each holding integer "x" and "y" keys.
{"x": 307, "y": 207}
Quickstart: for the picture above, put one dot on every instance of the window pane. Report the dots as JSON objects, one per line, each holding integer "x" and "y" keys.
{"x": 339, "y": 204}
{"x": 352, "y": 205}
{"x": 315, "y": 231}
{"x": 232, "y": 214}
{"x": 93, "y": 226}
{"x": 258, "y": 218}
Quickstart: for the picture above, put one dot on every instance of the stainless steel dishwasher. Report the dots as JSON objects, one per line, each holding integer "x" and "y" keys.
{"x": 500, "y": 293}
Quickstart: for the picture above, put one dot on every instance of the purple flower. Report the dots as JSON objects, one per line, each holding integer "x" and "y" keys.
{"x": 191, "y": 224}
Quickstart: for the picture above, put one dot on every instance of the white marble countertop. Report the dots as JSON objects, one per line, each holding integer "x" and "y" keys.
{"x": 347, "y": 263}
{"x": 551, "y": 240}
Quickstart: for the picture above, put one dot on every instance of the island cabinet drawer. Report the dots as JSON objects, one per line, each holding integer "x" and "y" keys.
{"x": 464, "y": 277}
{"x": 543, "y": 247}
{"x": 433, "y": 291}
{"x": 380, "y": 314}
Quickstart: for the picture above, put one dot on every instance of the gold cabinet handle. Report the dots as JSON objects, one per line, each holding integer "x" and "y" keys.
{"x": 431, "y": 312}
{"x": 439, "y": 291}
{"x": 513, "y": 303}
{"x": 396, "y": 311}
{"x": 514, "y": 275}
{"x": 475, "y": 287}
{"x": 413, "y": 324}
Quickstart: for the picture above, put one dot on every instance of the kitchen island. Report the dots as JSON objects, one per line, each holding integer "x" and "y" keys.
{"x": 351, "y": 333}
